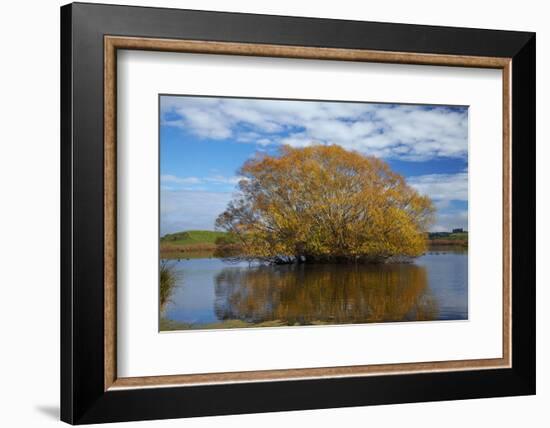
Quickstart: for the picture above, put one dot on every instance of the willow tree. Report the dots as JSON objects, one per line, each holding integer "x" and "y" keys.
{"x": 325, "y": 204}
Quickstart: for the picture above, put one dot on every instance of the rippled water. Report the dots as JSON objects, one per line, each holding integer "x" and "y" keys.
{"x": 214, "y": 293}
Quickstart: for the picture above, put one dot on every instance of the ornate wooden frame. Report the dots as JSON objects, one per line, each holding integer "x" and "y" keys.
{"x": 113, "y": 43}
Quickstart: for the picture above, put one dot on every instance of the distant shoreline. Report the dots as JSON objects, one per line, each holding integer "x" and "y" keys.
{"x": 446, "y": 242}
{"x": 168, "y": 251}
{"x": 194, "y": 244}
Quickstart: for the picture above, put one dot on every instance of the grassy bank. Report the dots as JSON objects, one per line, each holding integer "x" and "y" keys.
{"x": 190, "y": 244}
{"x": 448, "y": 239}
{"x": 170, "y": 325}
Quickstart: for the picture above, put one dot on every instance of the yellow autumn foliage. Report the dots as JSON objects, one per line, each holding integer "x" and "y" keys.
{"x": 325, "y": 204}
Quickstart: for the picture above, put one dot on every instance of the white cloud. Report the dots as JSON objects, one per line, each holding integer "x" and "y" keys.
{"x": 446, "y": 222}
{"x": 179, "y": 180}
{"x": 409, "y": 132}
{"x": 188, "y": 210}
{"x": 213, "y": 179}
{"x": 442, "y": 187}
{"x": 220, "y": 179}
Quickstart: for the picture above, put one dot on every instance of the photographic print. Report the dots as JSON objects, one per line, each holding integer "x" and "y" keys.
{"x": 282, "y": 213}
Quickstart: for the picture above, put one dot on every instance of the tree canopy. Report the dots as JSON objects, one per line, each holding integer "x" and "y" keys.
{"x": 325, "y": 204}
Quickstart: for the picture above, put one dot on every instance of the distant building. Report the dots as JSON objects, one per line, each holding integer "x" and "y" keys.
{"x": 458, "y": 230}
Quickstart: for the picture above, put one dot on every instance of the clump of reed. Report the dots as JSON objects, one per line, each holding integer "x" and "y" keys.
{"x": 168, "y": 280}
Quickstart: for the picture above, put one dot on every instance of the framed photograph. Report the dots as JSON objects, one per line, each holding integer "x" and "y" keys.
{"x": 266, "y": 213}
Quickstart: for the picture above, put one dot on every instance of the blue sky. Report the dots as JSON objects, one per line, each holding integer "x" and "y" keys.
{"x": 204, "y": 141}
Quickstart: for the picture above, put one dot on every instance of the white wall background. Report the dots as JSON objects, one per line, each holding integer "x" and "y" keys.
{"x": 29, "y": 218}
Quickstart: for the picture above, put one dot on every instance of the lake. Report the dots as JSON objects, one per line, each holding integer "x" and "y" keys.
{"x": 212, "y": 293}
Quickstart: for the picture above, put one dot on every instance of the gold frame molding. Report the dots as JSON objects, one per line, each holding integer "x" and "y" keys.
{"x": 113, "y": 43}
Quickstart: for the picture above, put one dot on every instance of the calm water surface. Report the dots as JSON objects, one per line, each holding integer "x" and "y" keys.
{"x": 211, "y": 291}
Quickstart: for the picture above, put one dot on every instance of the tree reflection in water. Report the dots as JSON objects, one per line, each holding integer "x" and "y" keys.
{"x": 335, "y": 294}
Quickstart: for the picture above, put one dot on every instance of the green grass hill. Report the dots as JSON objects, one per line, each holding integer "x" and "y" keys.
{"x": 192, "y": 237}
